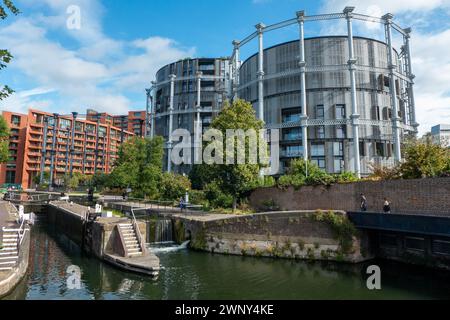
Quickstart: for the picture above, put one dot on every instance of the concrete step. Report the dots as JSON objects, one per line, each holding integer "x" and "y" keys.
{"x": 6, "y": 269}
{"x": 122, "y": 225}
{"x": 9, "y": 240}
{"x": 133, "y": 247}
{"x": 8, "y": 253}
{"x": 134, "y": 254}
{"x": 131, "y": 241}
{"x": 14, "y": 248}
{"x": 8, "y": 263}
{"x": 12, "y": 235}
{"x": 9, "y": 258}
{"x": 9, "y": 244}
{"x": 134, "y": 250}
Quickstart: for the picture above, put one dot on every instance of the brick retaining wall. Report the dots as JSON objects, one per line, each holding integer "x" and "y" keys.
{"x": 416, "y": 196}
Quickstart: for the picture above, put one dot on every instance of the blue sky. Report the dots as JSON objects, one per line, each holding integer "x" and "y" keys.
{"x": 112, "y": 58}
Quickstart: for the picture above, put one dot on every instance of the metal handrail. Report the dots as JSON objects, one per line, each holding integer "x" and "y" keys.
{"x": 138, "y": 232}
{"x": 21, "y": 231}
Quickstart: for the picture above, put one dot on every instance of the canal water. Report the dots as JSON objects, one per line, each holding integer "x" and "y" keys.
{"x": 194, "y": 275}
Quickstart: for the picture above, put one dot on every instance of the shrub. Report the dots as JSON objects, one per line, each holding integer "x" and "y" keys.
{"x": 216, "y": 197}
{"x": 346, "y": 177}
{"x": 174, "y": 186}
{"x": 343, "y": 229}
{"x": 197, "y": 197}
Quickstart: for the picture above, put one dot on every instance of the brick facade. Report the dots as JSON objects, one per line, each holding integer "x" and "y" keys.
{"x": 417, "y": 196}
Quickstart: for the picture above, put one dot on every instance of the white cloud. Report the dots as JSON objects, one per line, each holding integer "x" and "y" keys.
{"x": 96, "y": 71}
{"x": 431, "y": 64}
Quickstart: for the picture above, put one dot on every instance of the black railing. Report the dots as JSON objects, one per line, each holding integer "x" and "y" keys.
{"x": 407, "y": 223}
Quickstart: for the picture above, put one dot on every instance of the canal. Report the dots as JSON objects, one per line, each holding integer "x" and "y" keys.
{"x": 195, "y": 275}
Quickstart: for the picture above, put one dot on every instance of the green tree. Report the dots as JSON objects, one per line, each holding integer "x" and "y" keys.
{"x": 423, "y": 159}
{"x": 71, "y": 183}
{"x": 5, "y": 56}
{"x": 139, "y": 166}
{"x": 4, "y": 140}
{"x": 173, "y": 186}
{"x": 237, "y": 179}
{"x": 37, "y": 178}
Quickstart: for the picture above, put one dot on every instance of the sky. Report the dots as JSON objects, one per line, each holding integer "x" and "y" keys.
{"x": 108, "y": 60}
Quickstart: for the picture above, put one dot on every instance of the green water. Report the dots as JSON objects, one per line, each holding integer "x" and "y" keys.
{"x": 194, "y": 275}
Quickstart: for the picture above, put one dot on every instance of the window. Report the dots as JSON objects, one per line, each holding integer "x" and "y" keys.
{"x": 293, "y": 117}
{"x": 15, "y": 120}
{"x": 338, "y": 148}
{"x": 101, "y": 132}
{"x": 10, "y": 177}
{"x": 362, "y": 149}
{"x": 379, "y": 149}
{"x": 320, "y": 132}
{"x": 64, "y": 124}
{"x": 340, "y": 111}
{"x": 317, "y": 150}
{"x": 293, "y": 151}
{"x": 340, "y": 132}
{"x": 320, "y": 112}
{"x": 319, "y": 162}
{"x": 338, "y": 165}
{"x": 293, "y": 134}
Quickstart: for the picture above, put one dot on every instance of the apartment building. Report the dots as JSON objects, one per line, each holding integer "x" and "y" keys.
{"x": 42, "y": 141}
{"x": 134, "y": 121}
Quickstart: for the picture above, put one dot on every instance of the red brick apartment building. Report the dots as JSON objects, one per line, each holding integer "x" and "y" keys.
{"x": 89, "y": 147}
{"x": 133, "y": 122}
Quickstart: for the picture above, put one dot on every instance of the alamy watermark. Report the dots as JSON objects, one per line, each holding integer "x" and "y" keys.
{"x": 236, "y": 146}
{"x": 73, "y": 21}
{"x": 374, "y": 280}
{"x": 73, "y": 277}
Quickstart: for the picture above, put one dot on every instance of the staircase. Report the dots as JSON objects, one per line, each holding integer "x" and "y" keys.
{"x": 132, "y": 245}
{"x": 9, "y": 255}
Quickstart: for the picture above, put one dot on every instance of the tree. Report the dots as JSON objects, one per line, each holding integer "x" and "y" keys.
{"x": 173, "y": 186}
{"x": 4, "y": 140}
{"x": 37, "y": 178}
{"x": 5, "y": 56}
{"x": 424, "y": 159}
{"x": 139, "y": 166}
{"x": 236, "y": 179}
{"x": 71, "y": 183}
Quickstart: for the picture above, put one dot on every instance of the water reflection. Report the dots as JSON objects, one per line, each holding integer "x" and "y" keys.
{"x": 193, "y": 275}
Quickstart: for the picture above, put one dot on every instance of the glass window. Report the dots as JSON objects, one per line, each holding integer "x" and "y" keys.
{"x": 340, "y": 132}
{"x": 320, "y": 112}
{"x": 317, "y": 150}
{"x": 340, "y": 111}
{"x": 338, "y": 148}
{"x": 338, "y": 165}
{"x": 319, "y": 162}
{"x": 15, "y": 120}
{"x": 64, "y": 124}
{"x": 320, "y": 132}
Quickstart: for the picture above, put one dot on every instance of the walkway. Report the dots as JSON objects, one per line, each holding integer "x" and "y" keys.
{"x": 404, "y": 223}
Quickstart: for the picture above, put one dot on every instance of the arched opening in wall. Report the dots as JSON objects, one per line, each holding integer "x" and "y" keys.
{"x": 188, "y": 235}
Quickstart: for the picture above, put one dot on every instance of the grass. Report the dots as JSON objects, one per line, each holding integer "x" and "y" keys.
{"x": 116, "y": 213}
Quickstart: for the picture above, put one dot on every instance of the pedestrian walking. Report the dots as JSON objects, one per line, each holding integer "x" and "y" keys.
{"x": 363, "y": 202}
{"x": 182, "y": 204}
{"x": 386, "y": 206}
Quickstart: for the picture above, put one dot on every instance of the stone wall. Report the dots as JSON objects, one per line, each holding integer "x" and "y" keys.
{"x": 416, "y": 196}
{"x": 294, "y": 235}
{"x": 69, "y": 223}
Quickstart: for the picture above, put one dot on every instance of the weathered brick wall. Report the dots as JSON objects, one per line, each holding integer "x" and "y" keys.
{"x": 418, "y": 196}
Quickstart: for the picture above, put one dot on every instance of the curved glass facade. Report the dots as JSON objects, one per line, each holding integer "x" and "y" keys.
{"x": 328, "y": 100}
{"x": 213, "y": 91}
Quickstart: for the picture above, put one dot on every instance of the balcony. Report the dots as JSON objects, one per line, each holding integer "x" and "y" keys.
{"x": 291, "y": 118}
{"x": 291, "y": 153}
{"x": 292, "y": 136}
